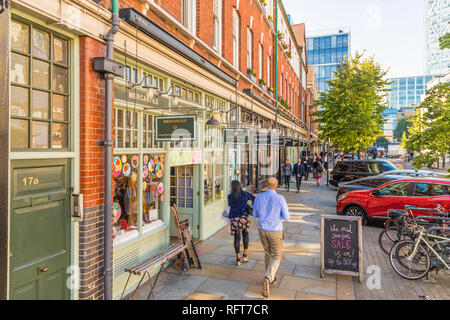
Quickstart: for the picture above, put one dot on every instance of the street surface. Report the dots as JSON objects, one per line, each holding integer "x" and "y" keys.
{"x": 298, "y": 275}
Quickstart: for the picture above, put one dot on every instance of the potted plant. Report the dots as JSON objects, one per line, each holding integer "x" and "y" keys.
{"x": 251, "y": 74}
{"x": 262, "y": 84}
{"x": 289, "y": 54}
{"x": 270, "y": 91}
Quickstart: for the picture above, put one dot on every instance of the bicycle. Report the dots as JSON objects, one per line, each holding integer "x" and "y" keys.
{"x": 413, "y": 259}
{"x": 398, "y": 226}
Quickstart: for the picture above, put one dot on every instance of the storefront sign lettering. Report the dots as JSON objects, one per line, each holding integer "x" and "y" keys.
{"x": 176, "y": 128}
{"x": 236, "y": 136}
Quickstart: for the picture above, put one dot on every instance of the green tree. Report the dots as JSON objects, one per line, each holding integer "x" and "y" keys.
{"x": 402, "y": 127}
{"x": 429, "y": 135}
{"x": 381, "y": 140}
{"x": 350, "y": 112}
{"x": 444, "y": 41}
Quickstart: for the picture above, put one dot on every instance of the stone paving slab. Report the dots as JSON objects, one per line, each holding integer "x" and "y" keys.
{"x": 230, "y": 290}
{"x": 254, "y": 293}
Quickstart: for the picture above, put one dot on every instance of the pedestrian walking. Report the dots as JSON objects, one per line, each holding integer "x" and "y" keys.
{"x": 317, "y": 169}
{"x": 308, "y": 163}
{"x": 271, "y": 208}
{"x": 287, "y": 173}
{"x": 299, "y": 173}
{"x": 240, "y": 203}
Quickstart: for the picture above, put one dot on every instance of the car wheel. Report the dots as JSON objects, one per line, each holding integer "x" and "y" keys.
{"x": 355, "y": 211}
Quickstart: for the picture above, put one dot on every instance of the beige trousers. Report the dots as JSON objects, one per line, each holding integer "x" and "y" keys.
{"x": 272, "y": 242}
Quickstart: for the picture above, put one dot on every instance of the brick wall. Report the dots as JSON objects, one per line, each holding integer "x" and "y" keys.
{"x": 92, "y": 104}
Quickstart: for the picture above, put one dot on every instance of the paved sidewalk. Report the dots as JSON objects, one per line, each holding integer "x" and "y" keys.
{"x": 298, "y": 275}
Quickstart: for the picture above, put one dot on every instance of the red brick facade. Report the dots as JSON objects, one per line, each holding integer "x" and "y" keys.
{"x": 92, "y": 105}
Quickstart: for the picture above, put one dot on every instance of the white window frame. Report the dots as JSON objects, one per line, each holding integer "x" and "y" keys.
{"x": 249, "y": 49}
{"x": 268, "y": 71}
{"x": 236, "y": 24}
{"x": 188, "y": 14}
{"x": 217, "y": 26}
{"x": 260, "y": 61}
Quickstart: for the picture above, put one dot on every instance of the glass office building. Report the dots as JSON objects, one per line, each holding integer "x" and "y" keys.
{"x": 437, "y": 18}
{"x": 325, "y": 50}
{"x": 406, "y": 93}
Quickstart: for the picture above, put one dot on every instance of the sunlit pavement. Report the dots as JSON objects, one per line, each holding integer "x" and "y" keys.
{"x": 298, "y": 275}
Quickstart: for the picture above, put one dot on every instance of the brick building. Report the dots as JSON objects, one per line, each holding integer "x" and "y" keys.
{"x": 217, "y": 65}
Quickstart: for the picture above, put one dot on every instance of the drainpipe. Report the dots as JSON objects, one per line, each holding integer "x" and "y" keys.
{"x": 108, "y": 144}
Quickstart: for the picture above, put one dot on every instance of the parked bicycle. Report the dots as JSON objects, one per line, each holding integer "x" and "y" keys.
{"x": 398, "y": 226}
{"x": 413, "y": 259}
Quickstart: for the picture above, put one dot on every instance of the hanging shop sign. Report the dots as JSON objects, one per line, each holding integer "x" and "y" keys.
{"x": 262, "y": 139}
{"x": 295, "y": 143}
{"x": 236, "y": 136}
{"x": 176, "y": 128}
{"x": 278, "y": 141}
{"x": 138, "y": 96}
{"x": 288, "y": 142}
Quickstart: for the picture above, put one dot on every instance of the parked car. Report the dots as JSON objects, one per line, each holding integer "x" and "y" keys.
{"x": 349, "y": 170}
{"x": 375, "y": 203}
{"x": 409, "y": 173}
{"x": 366, "y": 183}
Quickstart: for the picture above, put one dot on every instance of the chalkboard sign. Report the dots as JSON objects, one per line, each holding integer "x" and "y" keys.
{"x": 341, "y": 245}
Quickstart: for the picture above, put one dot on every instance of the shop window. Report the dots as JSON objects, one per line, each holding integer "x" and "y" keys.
{"x": 126, "y": 129}
{"x": 40, "y": 91}
{"x": 181, "y": 186}
{"x": 126, "y": 211}
{"x": 186, "y": 93}
{"x": 213, "y": 177}
{"x": 213, "y": 138}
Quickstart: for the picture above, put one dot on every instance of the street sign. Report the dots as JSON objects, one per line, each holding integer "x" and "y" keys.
{"x": 176, "y": 128}
{"x": 341, "y": 245}
{"x": 236, "y": 136}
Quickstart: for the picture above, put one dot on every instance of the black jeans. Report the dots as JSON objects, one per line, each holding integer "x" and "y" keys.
{"x": 298, "y": 182}
{"x": 237, "y": 241}
{"x": 287, "y": 179}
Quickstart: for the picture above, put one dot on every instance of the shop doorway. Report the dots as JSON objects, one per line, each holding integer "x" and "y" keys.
{"x": 40, "y": 229}
{"x": 183, "y": 187}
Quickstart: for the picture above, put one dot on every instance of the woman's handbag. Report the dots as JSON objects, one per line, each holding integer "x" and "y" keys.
{"x": 226, "y": 214}
{"x": 249, "y": 208}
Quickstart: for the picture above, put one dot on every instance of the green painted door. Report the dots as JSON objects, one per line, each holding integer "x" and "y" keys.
{"x": 40, "y": 229}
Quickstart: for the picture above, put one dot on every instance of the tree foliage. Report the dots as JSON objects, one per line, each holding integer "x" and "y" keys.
{"x": 402, "y": 128}
{"x": 444, "y": 41}
{"x": 350, "y": 112}
{"x": 429, "y": 135}
{"x": 381, "y": 140}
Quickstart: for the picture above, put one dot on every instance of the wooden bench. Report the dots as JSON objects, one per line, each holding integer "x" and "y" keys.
{"x": 185, "y": 246}
{"x": 144, "y": 267}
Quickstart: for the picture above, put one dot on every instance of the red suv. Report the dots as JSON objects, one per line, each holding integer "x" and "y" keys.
{"x": 375, "y": 203}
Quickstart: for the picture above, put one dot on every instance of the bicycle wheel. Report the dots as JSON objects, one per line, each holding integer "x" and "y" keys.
{"x": 386, "y": 240}
{"x": 409, "y": 267}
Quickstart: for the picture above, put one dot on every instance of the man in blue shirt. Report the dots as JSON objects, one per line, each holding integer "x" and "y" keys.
{"x": 271, "y": 208}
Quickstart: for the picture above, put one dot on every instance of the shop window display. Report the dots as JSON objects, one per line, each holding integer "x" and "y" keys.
{"x": 126, "y": 210}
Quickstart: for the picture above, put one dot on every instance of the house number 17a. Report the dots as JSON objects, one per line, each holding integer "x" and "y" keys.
{"x": 29, "y": 181}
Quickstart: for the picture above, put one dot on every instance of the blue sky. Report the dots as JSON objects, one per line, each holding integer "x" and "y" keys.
{"x": 392, "y": 30}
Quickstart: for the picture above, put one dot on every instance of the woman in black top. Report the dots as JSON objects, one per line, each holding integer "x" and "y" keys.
{"x": 241, "y": 203}
{"x": 317, "y": 169}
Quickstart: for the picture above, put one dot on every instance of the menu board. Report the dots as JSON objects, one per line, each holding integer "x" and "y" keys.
{"x": 341, "y": 245}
